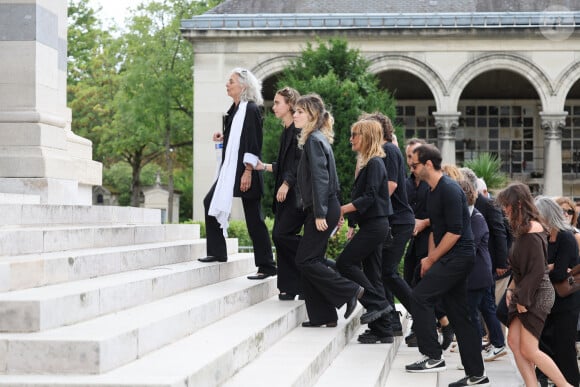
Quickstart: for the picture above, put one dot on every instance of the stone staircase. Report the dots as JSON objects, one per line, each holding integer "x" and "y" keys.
{"x": 108, "y": 296}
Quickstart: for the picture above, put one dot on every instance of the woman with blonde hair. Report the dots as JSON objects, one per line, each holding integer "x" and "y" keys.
{"x": 530, "y": 295}
{"x": 324, "y": 289}
{"x": 369, "y": 209}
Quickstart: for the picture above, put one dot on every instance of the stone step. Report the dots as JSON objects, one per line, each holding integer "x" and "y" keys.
{"x": 107, "y": 342}
{"x": 33, "y": 270}
{"x": 46, "y": 214}
{"x": 373, "y": 361}
{"x": 42, "y": 308}
{"x": 206, "y": 358}
{"x": 300, "y": 357}
{"x": 12, "y": 199}
{"x": 38, "y": 239}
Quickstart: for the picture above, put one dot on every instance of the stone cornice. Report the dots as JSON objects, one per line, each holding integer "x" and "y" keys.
{"x": 402, "y": 21}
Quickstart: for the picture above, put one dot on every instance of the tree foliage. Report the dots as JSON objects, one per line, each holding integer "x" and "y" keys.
{"x": 131, "y": 92}
{"x": 340, "y": 75}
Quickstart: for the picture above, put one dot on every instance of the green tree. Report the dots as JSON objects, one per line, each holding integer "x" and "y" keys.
{"x": 92, "y": 78}
{"x": 153, "y": 118}
{"x": 341, "y": 76}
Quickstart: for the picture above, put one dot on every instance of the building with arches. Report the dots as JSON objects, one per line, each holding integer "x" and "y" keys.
{"x": 471, "y": 76}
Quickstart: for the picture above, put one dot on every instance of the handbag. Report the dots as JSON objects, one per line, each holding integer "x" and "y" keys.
{"x": 570, "y": 285}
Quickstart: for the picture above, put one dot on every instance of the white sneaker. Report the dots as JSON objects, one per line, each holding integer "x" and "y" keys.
{"x": 494, "y": 353}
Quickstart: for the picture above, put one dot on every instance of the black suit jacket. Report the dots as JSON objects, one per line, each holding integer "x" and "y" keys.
{"x": 250, "y": 142}
{"x": 285, "y": 168}
{"x": 498, "y": 238}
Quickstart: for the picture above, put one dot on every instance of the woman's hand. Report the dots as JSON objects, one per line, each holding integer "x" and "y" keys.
{"x": 508, "y": 297}
{"x": 260, "y": 166}
{"x": 217, "y": 137}
{"x": 521, "y": 308}
{"x": 350, "y": 233}
{"x": 282, "y": 192}
{"x": 246, "y": 180}
{"x": 321, "y": 224}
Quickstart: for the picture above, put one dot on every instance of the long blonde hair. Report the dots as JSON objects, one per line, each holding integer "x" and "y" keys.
{"x": 321, "y": 119}
{"x": 371, "y": 140}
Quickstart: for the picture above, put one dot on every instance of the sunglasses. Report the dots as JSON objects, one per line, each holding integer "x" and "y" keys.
{"x": 569, "y": 212}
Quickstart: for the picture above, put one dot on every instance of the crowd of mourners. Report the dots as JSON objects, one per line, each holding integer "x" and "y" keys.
{"x": 475, "y": 266}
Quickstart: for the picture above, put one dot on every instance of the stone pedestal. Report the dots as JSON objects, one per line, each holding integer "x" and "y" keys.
{"x": 39, "y": 154}
{"x": 553, "y": 123}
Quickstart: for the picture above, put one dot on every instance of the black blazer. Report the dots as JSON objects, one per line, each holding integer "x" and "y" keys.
{"x": 285, "y": 168}
{"x": 498, "y": 238}
{"x": 370, "y": 193}
{"x": 250, "y": 142}
{"x": 317, "y": 177}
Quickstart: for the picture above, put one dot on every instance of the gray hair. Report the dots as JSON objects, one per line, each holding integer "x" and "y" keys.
{"x": 251, "y": 86}
{"x": 552, "y": 213}
{"x": 481, "y": 186}
{"x": 470, "y": 176}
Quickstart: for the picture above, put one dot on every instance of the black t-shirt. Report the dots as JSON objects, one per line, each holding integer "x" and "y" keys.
{"x": 448, "y": 212}
{"x": 394, "y": 163}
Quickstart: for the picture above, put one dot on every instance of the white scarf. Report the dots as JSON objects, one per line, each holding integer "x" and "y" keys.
{"x": 221, "y": 203}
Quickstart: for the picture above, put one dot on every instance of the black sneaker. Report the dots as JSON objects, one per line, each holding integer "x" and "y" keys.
{"x": 447, "y": 333}
{"x": 426, "y": 364}
{"x": 471, "y": 381}
{"x": 411, "y": 340}
{"x": 373, "y": 338}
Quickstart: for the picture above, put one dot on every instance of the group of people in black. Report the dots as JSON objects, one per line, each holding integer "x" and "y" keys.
{"x": 447, "y": 231}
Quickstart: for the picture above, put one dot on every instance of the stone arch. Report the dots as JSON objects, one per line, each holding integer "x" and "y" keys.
{"x": 510, "y": 62}
{"x": 272, "y": 66}
{"x": 565, "y": 81}
{"x": 411, "y": 65}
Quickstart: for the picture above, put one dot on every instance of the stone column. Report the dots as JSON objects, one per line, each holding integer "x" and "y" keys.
{"x": 39, "y": 154}
{"x": 447, "y": 124}
{"x": 552, "y": 124}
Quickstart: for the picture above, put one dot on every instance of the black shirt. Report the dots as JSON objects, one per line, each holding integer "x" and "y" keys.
{"x": 370, "y": 193}
{"x": 394, "y": 163}
{"x": 448, "y": 212}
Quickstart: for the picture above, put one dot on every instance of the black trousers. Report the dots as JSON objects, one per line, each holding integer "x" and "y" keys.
{"x": 216, "y": 243}
{"x": 288, "y": 222}
{"x": 392, "y": 253}
{"x": 324, "y": 289}
{"x": 446, "y": 280}
{"x": 365, "y": 249}
{"x": 558, "y": 340}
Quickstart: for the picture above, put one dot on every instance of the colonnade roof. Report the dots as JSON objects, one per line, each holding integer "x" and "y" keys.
{"x": 400, "y": 21}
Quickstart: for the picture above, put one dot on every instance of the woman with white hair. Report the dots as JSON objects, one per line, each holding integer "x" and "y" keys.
{"x": 238, "y": 177}
{"x": 559, "y": 335}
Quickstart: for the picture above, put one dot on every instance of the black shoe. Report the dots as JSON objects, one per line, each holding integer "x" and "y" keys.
{"x": 373, "y": 315}
{"x": 211, "y": 258}
{"x": 351, "y": 304}
{"x": 286, "y": 296}
{"x": 471, "y": 381}
{"x": 260, "y": 276}
{"x": 426, "y": 364}
{"x": 308, "y": 324}
{"x": 371, "y": 338}
{"x": 447, "y": 333}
